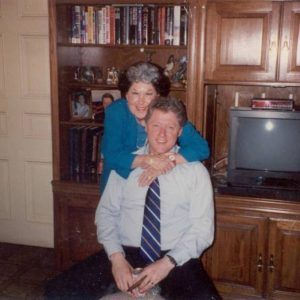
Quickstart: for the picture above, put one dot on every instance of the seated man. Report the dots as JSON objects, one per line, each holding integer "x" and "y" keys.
{"x": 164, "y": 233}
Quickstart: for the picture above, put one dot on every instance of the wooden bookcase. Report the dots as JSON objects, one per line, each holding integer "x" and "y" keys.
{"x": 75, "y": 200}
{"x": 256, "y": 250}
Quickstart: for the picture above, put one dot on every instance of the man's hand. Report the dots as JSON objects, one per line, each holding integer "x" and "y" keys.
{"x": 155, "y": 273}
{"x": 122, "y": 272}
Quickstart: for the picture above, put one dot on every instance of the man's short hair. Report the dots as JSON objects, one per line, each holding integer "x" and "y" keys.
{"x": 167, "y": 104}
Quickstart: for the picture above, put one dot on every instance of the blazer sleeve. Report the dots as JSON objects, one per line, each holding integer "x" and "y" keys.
{"x": 118, "y": 138}
{"x": 193, "y": 147}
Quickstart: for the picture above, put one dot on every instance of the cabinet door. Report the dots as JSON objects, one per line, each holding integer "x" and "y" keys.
{"x": 241, "y": 41}
{"x": 235, "y": 262}
{"x": 75, "y": 230}
{"x": 284, "y": 259}
{"x": 289, "y": 67}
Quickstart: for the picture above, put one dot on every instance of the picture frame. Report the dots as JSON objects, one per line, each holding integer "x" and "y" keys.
{"x": 80, "y": 105}
{"x": 100, "y": 100}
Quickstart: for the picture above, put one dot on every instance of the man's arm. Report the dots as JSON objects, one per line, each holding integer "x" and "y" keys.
{"x": 107, "y": 220}
{"x": 108, "y": 215}
{"x": 200, "y": 234}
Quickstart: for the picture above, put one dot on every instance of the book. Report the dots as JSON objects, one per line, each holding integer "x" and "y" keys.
{"x": 162, "y": 16}
{"x": 145, "y": 25}
{"x": 176, "y": 25}
{"x": 75, "y": 138}
{"x": 76, "y": 24}
{"x": 133, "y": 25}
{"x": 90, "y": 24}
{"x": 183, "y": 26}
{"x": 118, "y": 25}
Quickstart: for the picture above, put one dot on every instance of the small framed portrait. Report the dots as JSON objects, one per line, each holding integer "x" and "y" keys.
{"x": 100, "y": 100}
{"x": 80, "y": 105}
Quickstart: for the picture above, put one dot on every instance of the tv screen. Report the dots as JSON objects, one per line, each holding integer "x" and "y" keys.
{"x": 264, "y": 148}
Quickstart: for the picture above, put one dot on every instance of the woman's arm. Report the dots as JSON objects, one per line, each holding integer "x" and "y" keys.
{"x": 193, "y": 147}
{"x": 119, "y": 138}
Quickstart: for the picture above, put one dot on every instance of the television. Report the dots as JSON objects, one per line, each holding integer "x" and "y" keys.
{"x": 264, "y": 149}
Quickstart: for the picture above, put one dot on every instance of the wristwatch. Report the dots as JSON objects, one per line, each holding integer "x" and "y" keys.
{"x": 172, "y": 259}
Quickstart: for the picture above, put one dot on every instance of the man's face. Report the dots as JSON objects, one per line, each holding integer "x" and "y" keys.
{"x": 106, "y": 101}
{"x": 139, "y": 96}
{"x": 163, "y": 129}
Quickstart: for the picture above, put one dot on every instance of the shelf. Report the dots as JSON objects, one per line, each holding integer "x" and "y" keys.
{"x": 92, "y": 86}
{"x": 160, "y": 47}
{"x": 81, "y": 122}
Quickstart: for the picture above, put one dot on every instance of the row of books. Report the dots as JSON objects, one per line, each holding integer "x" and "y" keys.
{"x": 130, "y": 24}
{"x": 84, "y": 153}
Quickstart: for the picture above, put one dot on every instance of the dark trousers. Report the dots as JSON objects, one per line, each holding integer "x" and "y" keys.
{"x": 92, "y": 279}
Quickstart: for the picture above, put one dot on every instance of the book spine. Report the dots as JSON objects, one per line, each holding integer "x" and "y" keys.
{"x": 107, "y": 24}
{"x": 171, "y": 27}
{"x": 82, "y": 25}
{"x": 126, "y": 26}
{"x": 145, "y": 17}
{"x": 99, "y": 16}
{"x": 75, "y": 34}
{"x": 162, "y": 25}
{"x": 133, "y": 24}
{"x": 139, "y": 26}
{"x": 151, "y": 26}
{"x": 176, "y": 26}
{"x": 90, "y": 24}
{"x": 118, "y": 25}
{"x": 183, "y": 26}
{"x": 103, "y": 26}
{"x": 112, "y": 25}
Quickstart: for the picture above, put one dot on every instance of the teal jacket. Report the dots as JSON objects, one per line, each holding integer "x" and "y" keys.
{"x": 120, "y": 138}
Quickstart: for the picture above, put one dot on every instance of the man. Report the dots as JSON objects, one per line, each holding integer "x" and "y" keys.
{"x": 184, "y": 225}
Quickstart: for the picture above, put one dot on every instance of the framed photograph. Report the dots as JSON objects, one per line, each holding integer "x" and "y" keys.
{"x": 80, "y": 105}
{"x": 100, "y": 100}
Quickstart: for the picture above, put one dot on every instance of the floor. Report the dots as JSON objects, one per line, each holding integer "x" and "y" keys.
{"x": 24, "y": 271}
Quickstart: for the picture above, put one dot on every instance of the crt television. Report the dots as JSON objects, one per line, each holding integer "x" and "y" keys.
{"x": 264, "y": 148}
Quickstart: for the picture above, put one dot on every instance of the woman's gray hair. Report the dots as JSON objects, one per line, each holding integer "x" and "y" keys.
{"x": 168, "y": 104}
{"x": 144, "y": 72}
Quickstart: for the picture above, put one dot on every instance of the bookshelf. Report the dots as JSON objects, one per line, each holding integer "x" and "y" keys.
{"x": 86, "y": 60}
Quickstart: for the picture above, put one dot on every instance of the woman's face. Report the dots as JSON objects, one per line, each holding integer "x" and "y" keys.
{"x": 139, "y": 96}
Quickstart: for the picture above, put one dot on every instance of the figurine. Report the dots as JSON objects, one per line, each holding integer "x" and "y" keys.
{"x": 112, "y": 75}
{"x": 98, "y": 73}
{"x": 179, "y": 78}
{"x": 168, "y": 71}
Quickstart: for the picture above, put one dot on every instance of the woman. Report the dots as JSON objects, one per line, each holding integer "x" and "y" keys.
{"x": 124, "y": 130}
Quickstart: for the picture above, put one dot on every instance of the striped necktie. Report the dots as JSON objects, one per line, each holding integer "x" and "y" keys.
{"x": 150, "y": 242}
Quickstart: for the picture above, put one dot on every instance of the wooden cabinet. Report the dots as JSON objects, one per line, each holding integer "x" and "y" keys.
{"x": 75, "y": 199}
{"x": 283, "y": 261}
{"x": 74, "y": 228}
{"x": 257, "y": 248}
{"x": 252, "y": 41}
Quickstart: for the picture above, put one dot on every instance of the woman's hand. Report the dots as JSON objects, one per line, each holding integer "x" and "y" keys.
{"x": 155, "y": 165}
{"x": 122, "y": 272}
{"x": 155, "y": 273}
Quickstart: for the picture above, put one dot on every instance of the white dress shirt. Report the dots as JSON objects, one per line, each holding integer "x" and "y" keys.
{"x": 187, "y": 212}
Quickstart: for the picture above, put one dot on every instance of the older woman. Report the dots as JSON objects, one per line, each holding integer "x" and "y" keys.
{"x": 124, "y": 128}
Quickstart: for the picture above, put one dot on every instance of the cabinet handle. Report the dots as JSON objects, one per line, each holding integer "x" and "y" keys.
{"x": 272, "y": 46}
{"x": 271, "y": 263}
{"x": 259, "y": 263}
{"x": 286, "y": 44}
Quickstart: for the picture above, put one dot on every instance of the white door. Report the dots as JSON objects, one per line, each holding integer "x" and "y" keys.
{"x": 26, "y": 205}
